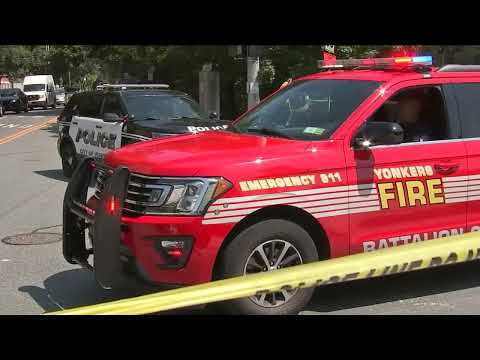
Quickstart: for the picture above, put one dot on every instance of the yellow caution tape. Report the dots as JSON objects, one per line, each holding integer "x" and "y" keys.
{"x": 410, "y": 257}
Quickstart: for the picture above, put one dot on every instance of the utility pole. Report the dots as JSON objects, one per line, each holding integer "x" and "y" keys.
{"x": 253, "y": 67}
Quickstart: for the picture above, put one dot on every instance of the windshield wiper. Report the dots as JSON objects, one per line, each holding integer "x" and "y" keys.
{"x": 148, "y": 118}
{"x": 268, "y": 131}
{"x": 184, "y": 117}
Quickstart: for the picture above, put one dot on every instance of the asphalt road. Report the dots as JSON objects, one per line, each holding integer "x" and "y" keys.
{"x": 35, "y": 278}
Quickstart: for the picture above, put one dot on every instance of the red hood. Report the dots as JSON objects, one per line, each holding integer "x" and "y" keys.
{"x": 203, "y": 154}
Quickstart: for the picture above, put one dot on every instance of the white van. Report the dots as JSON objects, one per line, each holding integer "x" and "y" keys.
{"x": 40, "y": 91}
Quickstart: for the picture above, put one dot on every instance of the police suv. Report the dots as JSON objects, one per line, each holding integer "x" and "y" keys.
{"x": 96, "y": 122}
{"x": 363, "y": 155}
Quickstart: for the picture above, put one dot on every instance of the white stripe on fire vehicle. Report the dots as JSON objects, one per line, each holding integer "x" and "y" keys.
{"x": 454, "y": 178}
{"x": 456, "y": 195}
{"x": 331, "y": 189}
{"x": 455, "y": 189}
{"x": 342, "y": 200}
{"x": 343, "y": 194}
{"x": 461, "y": 183}
{"x": 456, "y": 200}
{"x": 346, "y": 212}
{"x": 454, "y": 183}
{"x": 235, "y": 219}
{"x": 461, "y": 178}
{"x": 310, "y": 208}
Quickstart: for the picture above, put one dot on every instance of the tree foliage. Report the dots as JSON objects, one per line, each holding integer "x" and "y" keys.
{"x": 86, "y": 65}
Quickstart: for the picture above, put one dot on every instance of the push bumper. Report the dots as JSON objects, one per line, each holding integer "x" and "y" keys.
{"x": 105, "y": 221}
{"x": 133, "y": 242}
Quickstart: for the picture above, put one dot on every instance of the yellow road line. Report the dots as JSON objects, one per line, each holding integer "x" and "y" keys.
{"x": 21, "y": 133}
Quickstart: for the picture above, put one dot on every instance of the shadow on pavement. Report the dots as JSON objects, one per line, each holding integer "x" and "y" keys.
{"x": 53, "y": 174}
{"x": 52, "y": 129}
{"x": 395, "y": 287}
{"x": 74, "y": 288}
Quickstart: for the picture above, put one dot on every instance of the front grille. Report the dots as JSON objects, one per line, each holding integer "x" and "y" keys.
{"x": 33, "y": 97}
{"x": 139, "y": 191}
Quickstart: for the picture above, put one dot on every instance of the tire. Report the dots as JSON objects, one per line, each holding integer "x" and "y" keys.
{"x": 1, "y": 111}
{"x": 69, "y": 159}
{"x": 54, "y": 105}
{"x": 244, "y": 248}
{"x": 45, "y": 107}
{"x": 26, "y": 108}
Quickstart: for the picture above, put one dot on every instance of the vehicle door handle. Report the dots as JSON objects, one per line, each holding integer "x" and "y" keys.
{"x": 446, "y": 169}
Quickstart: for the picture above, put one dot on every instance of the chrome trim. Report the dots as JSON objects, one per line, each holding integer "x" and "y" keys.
{"x": 135, "y": 137}
{"x": 137, "y": 193}
{"x": 146, "y": 186}
{"x": 418, "y": 143}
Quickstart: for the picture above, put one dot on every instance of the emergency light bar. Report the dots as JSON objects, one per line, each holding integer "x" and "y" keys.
{"x": 132, "y": 86}
{"x": 379, "y": 62}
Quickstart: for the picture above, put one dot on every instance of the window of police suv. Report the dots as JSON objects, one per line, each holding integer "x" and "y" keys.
{"x": 162, "y": 107}
{"x": 307, "y": 110}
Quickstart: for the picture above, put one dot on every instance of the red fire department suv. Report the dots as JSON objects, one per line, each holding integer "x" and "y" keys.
{"x": 364, "y": 155}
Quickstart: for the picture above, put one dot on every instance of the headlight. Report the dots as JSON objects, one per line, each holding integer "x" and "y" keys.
{"x": 179, "y": 196}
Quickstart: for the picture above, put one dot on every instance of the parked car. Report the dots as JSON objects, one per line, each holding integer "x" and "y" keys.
{"x": 95, "y": 122}
{"x": 40, "y": 91}
{"x": 60, "y": 96}
{"x": 13, "y": 100}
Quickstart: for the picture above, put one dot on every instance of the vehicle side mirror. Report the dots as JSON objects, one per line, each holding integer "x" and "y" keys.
{"x": 111, "y": 117}
{"x": 213, "y": 115}
{"x": 378, "y": 133}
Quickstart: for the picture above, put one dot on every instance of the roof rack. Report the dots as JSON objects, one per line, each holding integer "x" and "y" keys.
{"x": 132, "y": 86}
{"x": 460, "y": 68}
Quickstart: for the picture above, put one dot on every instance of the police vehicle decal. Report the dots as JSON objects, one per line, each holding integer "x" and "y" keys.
{"x": 93, "y": 137}
{"x": 195, "y": 129}
{"x": 347, "y": 199}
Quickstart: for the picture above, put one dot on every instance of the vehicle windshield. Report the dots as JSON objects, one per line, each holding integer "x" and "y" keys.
{"x": 34, "y": 87}
{"x": 306, "y": 110}
{"x": 162, "y": 107}
{"x": 8, "y": 92}
{"x": 60, "y": 91}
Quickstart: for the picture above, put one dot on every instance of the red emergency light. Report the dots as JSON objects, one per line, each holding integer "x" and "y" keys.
{"x": 112, "y": 205}
{"x": 378, "y": 62}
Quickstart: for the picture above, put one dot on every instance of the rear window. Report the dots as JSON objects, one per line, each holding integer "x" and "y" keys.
{"x": 162, "y": 107}
{"x": 89, "y": 105}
